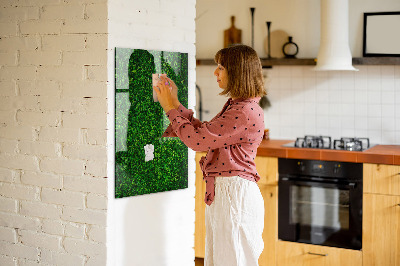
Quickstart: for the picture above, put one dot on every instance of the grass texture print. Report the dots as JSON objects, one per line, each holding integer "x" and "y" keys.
{"x": 144, "y": 161}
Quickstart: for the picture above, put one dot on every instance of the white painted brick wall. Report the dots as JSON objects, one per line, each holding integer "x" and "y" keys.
{"x": 84, "y": 247}
{"x": 41, "y": 240}
{"x": 19, "y": 221}
{"x": 41, "y": 179}
{"x": 87, "y": 216}
{"x": 75, "y": 230}
{"x": 64, "y": 135}
{"x": 97, "y": 234}
{"x": 39, "y": 88}
{"x": 20, "y": 192}
{"x": 61, "y": 258}
{"x": 8, "y": 205}
{"x": 53, "y": 107}
{"x": 62, "y": 166}
{"x": 9, "y": 146}
{"x": 6, "y": 260}
{"x": 85, "y": 152}
{"x": 53, "y": 227}
{"x": 96, "y": 201}
{"x": 8, "y": 234}
{"x": 95, "y": 136}
{"x": 96, "y": 169}
{"x": 63, "y": 197}
{"x": 86, "y": 183}
{"x": 40, "y": 210}
{"x": 7, "y": 175}
{"x": 19, "y": 251}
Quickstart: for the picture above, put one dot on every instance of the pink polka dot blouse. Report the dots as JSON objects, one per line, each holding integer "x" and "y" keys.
{"x": 231, "y": 139}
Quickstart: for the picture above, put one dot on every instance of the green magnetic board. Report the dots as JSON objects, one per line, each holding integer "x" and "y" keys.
{"x": 144, "y": 161}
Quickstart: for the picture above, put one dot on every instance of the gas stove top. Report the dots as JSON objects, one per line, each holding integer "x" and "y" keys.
{"x": 325, "y": 142}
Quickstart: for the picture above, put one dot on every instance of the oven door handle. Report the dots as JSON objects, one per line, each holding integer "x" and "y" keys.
{"x": 329, "y": 184}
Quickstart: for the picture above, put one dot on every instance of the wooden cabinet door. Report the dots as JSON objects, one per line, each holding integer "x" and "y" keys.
{"x": 297, "y": 254}
{"x": 381, "y": 179}
{"x": 381, "y": 230}
{"x": 200, "y": 207}
{"x": 267, "y": 168}
{"x": 270, "y": 233}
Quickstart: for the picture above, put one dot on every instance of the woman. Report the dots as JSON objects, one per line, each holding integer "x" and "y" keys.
{"x": 235, "y": 207}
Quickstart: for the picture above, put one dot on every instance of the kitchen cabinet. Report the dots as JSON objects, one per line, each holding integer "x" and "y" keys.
{"x": 200, "y": 207}
{"x": 267, "y": 167}
{"x": 381, "y": 215}
{"x": 381, "y": 221}
{"x": 381, "y": 179}
{"x": 381, "y": 230}
{"x": 298, "y": 254}
{"x": 270, "y": 233}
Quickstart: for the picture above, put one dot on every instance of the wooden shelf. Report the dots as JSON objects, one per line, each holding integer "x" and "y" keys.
{"x": 376, "y": 61}
{"x": 312, "y": 61}
{"x": 288, "y": 62}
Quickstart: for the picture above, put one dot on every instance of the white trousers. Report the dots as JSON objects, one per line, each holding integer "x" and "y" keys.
{"x": 234, "y": 223}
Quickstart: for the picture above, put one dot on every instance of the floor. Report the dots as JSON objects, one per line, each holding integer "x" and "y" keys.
{"x": 198, "y": 261}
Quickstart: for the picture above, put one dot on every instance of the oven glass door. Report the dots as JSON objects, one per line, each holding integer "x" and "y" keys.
{"x": 321, "y": 213}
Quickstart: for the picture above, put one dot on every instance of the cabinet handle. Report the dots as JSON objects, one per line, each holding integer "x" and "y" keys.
{"x": 318, "y": 254}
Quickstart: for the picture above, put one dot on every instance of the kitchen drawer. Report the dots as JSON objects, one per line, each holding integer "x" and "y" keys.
{"x": 381, "y": 179}
{"x": 298, "y": 254}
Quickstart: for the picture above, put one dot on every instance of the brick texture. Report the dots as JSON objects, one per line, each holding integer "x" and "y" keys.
{"x": 53, "y": 107}
{"x": 8, "y": 234}
{"x": 34, "y": 239}
{"x": 53, "y": 227}
{"x": 75, "y": 230}
{"x": 62, "y": 258}
{"x": 84, "y": 247}
{"x": 87, "y": 216}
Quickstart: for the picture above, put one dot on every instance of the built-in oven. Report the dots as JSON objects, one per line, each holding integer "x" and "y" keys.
{"x": 320, "y": 202}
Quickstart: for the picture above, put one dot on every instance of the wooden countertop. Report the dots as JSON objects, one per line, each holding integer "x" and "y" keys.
{"x": 379, "y": 154}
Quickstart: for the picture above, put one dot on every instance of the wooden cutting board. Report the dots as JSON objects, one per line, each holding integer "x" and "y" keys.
{"x": 232, "y": 35}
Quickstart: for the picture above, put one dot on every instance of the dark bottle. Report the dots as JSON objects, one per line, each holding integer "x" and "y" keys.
{"x": 290, "y": 49}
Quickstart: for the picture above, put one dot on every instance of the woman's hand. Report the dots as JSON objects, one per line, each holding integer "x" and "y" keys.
{"x": 174, "y": 92}
{"x": 164, "y": 94}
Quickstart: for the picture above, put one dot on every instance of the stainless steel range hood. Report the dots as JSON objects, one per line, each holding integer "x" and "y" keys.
{"x": 334, "y": 52}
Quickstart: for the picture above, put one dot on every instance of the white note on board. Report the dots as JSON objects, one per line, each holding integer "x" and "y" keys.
{"x": 148, "y": 152}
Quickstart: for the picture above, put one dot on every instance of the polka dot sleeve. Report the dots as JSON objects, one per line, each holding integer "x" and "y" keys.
{"x": 186, "y": 113}
{"x": 225, "y": 130}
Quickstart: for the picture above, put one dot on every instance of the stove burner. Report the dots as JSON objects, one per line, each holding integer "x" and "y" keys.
{"x": 324, "y": 142}
{"x": 308, "y": 141}
{"x": 351, "y": 144}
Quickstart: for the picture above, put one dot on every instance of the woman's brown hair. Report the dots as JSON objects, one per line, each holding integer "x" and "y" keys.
{"x": 245, "y": 78}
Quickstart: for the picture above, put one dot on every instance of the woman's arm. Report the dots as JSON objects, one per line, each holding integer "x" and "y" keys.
{"x": 174, "y": 96}
{"x": 228, "y": 129}
{"x": 169, "y": 100}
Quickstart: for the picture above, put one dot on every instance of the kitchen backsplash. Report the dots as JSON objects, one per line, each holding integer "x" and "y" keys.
{"x": 333, "y": 103}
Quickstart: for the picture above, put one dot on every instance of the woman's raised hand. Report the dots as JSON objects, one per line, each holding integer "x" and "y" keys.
{"x": 164, "y": 94}
{"x": 174, "y": 92}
